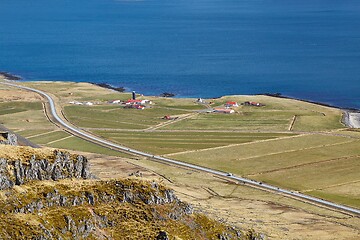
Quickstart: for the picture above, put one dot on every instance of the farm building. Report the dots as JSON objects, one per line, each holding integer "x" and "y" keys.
{"x": 115, "y": 101}
{"x": 145, "y": 101}
{"x": 133, "y": 102}
{"x": 231, "y": 104}
{"x": 256, "y": 104}
{"x": 137, "y": 102}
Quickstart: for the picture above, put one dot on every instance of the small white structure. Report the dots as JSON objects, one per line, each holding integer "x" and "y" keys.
{"x": 146, "y": 101}
{"x": 89, "y": 104}
{"x": 76, "y": 103}
{"x": 115, "y": 101}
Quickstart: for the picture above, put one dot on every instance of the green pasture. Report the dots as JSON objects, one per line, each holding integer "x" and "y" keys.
{"x": 117, "y": 117}
{"x": 347, "y": 193}
{"x": 77, "y": 144}
{"x": 16, "y": 107}
{"x": 172, "y": 142}
{"x": 32, "y": 132}
{"x": 315, "y": 175}
{"x": 318, "y": 164}
{"x": 237, "y": 121}
{"x": 51, "y": 136}
{"x": 34, "y": 120}
{"x": 264, "y": 148}
{"x": 311, "y": 117}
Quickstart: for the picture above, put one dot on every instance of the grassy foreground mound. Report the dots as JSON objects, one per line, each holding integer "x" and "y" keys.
{"x": 75, "y": 208}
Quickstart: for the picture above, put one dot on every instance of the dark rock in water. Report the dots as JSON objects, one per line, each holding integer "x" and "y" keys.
{"x": 10, "y": 76}
{"x": 166, "y": 94}
{"x": 162, "y": 236}
{"x": 108, "y": 86}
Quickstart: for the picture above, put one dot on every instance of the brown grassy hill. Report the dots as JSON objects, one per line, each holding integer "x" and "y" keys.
{"x": 76, "y": 208}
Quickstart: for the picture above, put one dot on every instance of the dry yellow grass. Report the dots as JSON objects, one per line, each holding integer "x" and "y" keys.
{"x": 10, "y": 94}
{"x": 278, "y": 217}
{"x": 23, "y": 153}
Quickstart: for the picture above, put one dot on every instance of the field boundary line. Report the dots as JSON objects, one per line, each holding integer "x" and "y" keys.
{"x": 292, "y": 123}
{"x": 129, "y": 123}
{"x": 296, "y": 150}
{"x": 304, "y": 164}
{"x": 58, "y": 140}
{"x": 170, "y": 122}
{"x": 330, "y": 186}
{"x": 41, "y": 134}
{"x": 235, "y": 145}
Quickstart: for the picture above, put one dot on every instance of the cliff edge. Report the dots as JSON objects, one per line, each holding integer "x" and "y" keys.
{"x": 51, "y": 194}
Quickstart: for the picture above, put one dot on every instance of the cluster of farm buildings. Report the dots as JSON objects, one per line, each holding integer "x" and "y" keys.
{"x": 140, "y": 104}
{"x": 228, "y": 106}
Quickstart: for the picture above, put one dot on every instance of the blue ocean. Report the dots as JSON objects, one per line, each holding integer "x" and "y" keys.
{"x": 307, "y": 49}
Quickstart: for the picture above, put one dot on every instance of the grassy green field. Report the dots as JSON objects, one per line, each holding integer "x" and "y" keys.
{"x": 310, "y": 117}
{"x": 49, "y": 137}
{"x": 16, "y": 107}
{"x": 246, "y": 118}
{"x": 310, "y": 163}
{"x": 77, "y": 144}
{"x": 254, "y": 142}
{"x": 238, "y": 121}
{"x": 27, "y": 116}
{"x": 117, "y": 117}
{"x": 172, "y": 142}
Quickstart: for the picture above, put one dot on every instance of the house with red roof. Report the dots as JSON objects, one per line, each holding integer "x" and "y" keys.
{"x": 231, "y": 104}
{"x": 256, "y": 104}
{"x": 133, "y": 102}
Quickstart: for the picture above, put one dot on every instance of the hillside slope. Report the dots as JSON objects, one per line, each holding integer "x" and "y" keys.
{"x": 58, "y": 198}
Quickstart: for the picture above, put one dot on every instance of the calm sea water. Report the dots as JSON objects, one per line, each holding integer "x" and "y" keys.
{"x": 307, "y": 49}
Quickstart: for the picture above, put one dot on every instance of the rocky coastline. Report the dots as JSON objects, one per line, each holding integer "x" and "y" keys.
{"x": 108, "y": 86}
{"x": 10, "y": 76}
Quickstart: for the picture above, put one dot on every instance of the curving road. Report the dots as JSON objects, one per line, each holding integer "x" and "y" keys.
{"x": 78, "y": 132}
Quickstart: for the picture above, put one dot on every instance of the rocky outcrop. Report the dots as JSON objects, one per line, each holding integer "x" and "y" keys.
{"x": 88, "y": 198}
{"x": 9, "y": 76}
{"x": 79, "y": 209}
{"x": 7, "y": 138}
{"x": 5, "y": 181}
{"x": 62, "y": 166}
{"x": 124, "y": 193}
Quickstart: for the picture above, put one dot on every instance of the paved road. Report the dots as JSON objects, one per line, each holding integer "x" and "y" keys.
{"x": 242, "y": 180}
